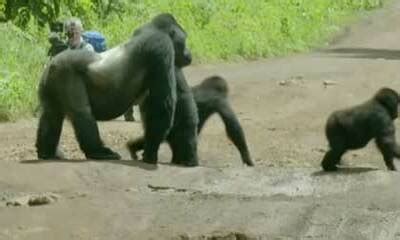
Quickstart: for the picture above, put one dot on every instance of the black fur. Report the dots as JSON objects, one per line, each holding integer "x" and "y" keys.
{"x": 211, "y": 96}
{"x": 57, "y": 45}
{"x": 78, "y": 85}
{"x": 182, "y": 138}
{"x": 353, "y": 128}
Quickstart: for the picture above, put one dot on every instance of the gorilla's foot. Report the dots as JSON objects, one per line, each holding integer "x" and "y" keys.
{"x": 176, "y": 161}
{"x": 249, "y": 162}
{"x": 59, "y": 155}
{"x": 391, "y": 167}
{"x": 150, "y": 160}
{"x": 46, "y": 157}
{"x": 132, "y": 150}
{"x": 103, "y": 154}
{"x": 329, "y": 167}
{"x": 50, "y": 157}
{"x": 134, "y": 156}
{"x": 192, "y": 163}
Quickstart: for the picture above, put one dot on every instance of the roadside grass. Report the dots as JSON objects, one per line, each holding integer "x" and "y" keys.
{"x": 22, "y": 59}
{"x": 219, "y": 30}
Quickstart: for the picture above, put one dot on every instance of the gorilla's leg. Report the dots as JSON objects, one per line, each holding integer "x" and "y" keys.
{"x": 183, "y": 144}
{"x": 49, "y": 131}
{"x": 134, "y": 146}
{"x": 85, "y": 126}
{"x": 331, "y": 159}
{"x": 183, "y": 147}
{"x": 389, "y": 162}
{"x": 88, "y": 136}
{"x": 128, "y": 115}
{"x": 336, "y": 136}
{"x": 335, "y": 153}
{"x": 182, "y": 138}
{"x": 388, "y": 147}
{"x": 234, "y": 131}
{"x": 160, "y": 108}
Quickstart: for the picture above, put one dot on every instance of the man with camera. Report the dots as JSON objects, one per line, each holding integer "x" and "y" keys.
{"x": 73, "y": 29}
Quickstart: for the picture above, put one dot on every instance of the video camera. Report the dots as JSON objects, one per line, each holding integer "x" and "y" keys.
{"x": 57, "y": 27}
{"x": 55, "y": 38}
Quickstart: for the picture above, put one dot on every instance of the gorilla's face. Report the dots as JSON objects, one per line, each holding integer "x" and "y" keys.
{"x": 390, "y": 99}
{"x": 183, "y": 57}
{"x": 167, "y": 23}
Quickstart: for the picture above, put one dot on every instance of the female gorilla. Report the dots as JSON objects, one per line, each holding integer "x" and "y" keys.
{"x": 86, "y": 86}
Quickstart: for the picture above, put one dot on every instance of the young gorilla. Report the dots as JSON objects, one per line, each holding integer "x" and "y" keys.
{"x": 211, "y": 96}
{"x": 353, "y": 128}
{"x": 86, "y": 86}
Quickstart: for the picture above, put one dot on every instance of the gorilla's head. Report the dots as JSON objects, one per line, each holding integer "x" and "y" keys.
{"x": 166, "y": 22}
{"x": 390, "y": 99}
{"x": 183, "y": 57}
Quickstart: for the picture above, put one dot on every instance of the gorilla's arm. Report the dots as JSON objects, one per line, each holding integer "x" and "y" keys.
{"x": 234, "y": 130}
{"x": 160, "y": 109}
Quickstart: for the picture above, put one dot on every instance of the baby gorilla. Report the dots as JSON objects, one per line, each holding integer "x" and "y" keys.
{"x": 211, "y": 96}
{"x": 354, "y": 127}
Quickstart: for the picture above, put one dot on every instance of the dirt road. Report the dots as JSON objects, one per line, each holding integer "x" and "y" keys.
{"x": 283, "y": 104}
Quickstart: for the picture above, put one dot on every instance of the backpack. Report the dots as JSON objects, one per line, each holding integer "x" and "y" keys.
{"x": 96, "y": 39}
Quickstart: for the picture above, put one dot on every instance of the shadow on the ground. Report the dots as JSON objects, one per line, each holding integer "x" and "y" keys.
{"x": 371, "y": 53}
{"x": 132, "y": 163}
{"x": 345, "y": 171}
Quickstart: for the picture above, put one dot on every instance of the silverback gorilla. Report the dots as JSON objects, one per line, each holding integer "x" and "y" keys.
{"x": 353, "y": 128}
{"x": 211, "y": 96}
{"x": 85, "y": 86}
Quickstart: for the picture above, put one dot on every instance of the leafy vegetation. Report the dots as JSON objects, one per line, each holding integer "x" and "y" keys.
{"x": 47, "y": 11}
{"x": 219, "y": 30}
{"x": 22, "y": 60}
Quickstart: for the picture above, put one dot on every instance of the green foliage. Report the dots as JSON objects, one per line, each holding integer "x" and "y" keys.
{"x": 22, "y": 60}
{"x": 218, "y": 30}
{"x": 21, "y": 12}
{"x": 237, "y": 29}
{"x": 2, "y": 8}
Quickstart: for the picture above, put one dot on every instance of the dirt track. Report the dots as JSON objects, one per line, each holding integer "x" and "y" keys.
{"x": 283, "y": 104}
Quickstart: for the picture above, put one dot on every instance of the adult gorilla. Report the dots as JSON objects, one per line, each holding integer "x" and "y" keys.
{"x": 85, "y": 86}
{"x": 354, "y": 127}
{"x": 210, "y": 96}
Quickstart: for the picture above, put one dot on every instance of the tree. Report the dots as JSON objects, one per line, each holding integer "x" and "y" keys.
{"x": 20, "y": 12}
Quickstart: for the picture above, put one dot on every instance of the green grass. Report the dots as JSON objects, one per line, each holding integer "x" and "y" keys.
{"x": 219, "y": 30}
{"x": 237, "y": 29}
{"x": 22, "y": 60}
